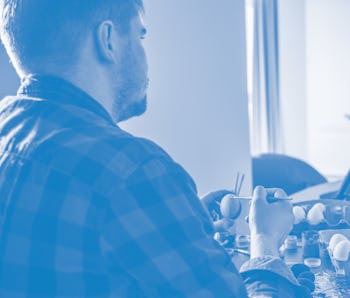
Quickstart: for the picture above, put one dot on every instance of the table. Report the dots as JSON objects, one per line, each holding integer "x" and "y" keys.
{"x": 328, "y": 284}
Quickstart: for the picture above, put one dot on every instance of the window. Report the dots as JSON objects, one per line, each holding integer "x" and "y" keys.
{"x": 263, "y": 76}
{"x": 312, "y": 70}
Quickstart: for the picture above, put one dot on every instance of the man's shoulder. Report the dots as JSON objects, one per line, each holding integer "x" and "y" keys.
{"x": 112, "y": 140}
{"x": 94, "y": 150}
{"x": 128, "y": 152}
{"x": 85, "y": 147}
{"x": 10, "y": 103}
{"x": 114, "y": 159}
{"x": 60, "y": 128}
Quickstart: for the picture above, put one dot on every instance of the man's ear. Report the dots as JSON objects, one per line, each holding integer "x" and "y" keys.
{"x": 106, "y": 40}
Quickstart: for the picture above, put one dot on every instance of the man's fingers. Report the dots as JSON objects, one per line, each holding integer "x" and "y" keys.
{"x": 266, "y": 195}
{"x": 280, "y": 193}
{"x": 214, "y": 195}
{"x": 276, "y": 192}
{"x": 259, "y": 193}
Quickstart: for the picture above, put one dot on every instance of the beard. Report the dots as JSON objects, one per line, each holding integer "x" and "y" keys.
{"x": 127, "y": 110}
{"x": 131, "y": 84}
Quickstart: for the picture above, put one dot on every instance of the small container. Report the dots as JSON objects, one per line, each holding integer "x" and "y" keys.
{"x": 291, "y": 243}
{"x": 312, "y": 262}
{"x": 311, "y": 248}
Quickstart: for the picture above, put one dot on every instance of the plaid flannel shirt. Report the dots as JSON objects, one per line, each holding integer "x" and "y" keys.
{"x": 88, "y": 210}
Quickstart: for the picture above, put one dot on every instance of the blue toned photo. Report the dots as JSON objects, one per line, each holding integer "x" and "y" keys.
{"x": 92, "y": 206}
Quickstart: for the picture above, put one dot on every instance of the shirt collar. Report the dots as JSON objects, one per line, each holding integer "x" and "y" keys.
{"x": 63, "y": 92}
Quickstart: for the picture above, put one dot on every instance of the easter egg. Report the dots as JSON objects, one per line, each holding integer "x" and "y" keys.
{"x": 316, "y": 214}
{"x": 336, "y": 238}
{"x": 299, "y": 214}
{"x": 230, "y": 206}
{"x": 341, "y": 251}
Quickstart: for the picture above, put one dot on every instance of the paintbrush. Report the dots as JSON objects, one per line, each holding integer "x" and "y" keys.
{"x": 270, "y": 199}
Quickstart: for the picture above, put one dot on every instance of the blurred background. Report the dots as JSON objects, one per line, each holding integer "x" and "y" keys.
{"x": 233, "y": 79}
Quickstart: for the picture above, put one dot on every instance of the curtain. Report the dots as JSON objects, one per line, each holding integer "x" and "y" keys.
{"x": 266, "y": 130}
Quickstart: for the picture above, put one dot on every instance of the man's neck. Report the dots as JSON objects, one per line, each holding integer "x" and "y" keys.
{"x": 93, "y": 84}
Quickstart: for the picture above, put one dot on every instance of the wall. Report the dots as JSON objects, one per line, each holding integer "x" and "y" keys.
{"x": 198, "y": 107}
{"x": 328, "y": 73}
{"x": 315, "y": 67}
{"x": 292, "y": 51}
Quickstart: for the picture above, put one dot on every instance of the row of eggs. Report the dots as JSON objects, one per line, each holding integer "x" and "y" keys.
{"x": 320, "y": 213}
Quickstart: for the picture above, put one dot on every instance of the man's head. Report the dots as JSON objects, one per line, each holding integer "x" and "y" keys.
{"x": 93, "y": 39}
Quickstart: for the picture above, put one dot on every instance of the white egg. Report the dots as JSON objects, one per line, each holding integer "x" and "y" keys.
{"x": 336, "y": 238}
{"x": 299, "y": 214}
{"x": 316, "y": 214}
{"x": 319, "y": 206}
{"x": 230, "y": 206}
{"x": 341, "y": 251}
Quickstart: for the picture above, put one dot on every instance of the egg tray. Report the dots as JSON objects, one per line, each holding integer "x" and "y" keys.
{"x": 336, "y": 224}
{"x": 325, "y": 237}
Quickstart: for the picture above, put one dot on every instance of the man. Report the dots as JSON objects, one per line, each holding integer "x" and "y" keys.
{"x": 88, "y": 210}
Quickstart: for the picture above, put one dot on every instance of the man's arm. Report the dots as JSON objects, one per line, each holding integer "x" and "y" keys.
{"x": 266, "y": 275}
{"x": 159, "y": 233}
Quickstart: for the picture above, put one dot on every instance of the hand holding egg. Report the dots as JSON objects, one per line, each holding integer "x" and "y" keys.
{"x": 225, "y": 225}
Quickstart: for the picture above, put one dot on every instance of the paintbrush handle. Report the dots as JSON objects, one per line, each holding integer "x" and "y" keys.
{"x": 270, "y": 199}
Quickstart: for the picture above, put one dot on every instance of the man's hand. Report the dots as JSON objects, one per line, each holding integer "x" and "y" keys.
{"x": 269, "y": 223}
{"x": 212, "y": 201}
{"x": 213, "y": 196}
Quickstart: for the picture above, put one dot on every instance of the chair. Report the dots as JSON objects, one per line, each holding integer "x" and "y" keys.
{"x": 286, "y": 172}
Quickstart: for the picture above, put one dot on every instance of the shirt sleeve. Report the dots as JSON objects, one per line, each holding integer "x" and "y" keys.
{"x": 269, "y": 276}
{"x": 159, "y": 233}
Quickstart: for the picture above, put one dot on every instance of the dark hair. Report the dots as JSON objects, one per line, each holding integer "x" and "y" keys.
{"x": 51, "y": 30}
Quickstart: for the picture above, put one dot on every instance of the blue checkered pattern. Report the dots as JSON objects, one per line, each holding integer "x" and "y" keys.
{"x": 88, "y": 210}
